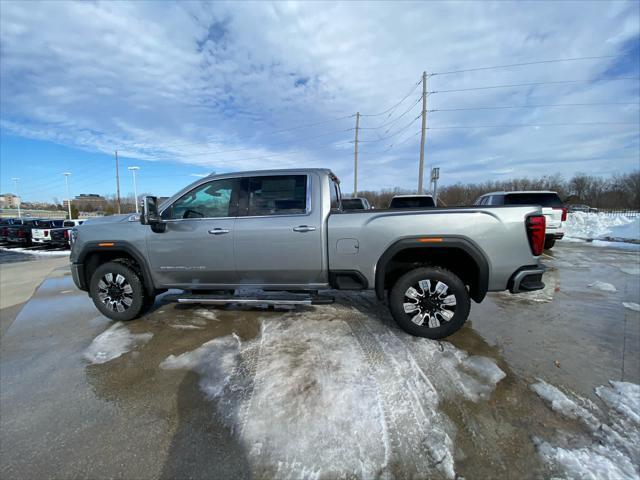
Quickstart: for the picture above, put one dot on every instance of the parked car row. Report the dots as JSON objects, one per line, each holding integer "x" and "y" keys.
{"x": 37, "y": 231}
{"x": 399, "y": 201}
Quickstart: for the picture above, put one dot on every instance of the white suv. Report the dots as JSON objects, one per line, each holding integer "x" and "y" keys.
{"x": 552, "y": 208}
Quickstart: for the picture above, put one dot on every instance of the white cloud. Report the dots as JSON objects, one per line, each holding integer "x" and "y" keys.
{"x": 208, "y": 84}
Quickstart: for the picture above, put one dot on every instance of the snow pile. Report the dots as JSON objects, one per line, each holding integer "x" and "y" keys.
{"x": 114, "y": 342}
{"x": 43, "y": 253}
{"x": 328, "y": 398}
{"x": 603, "y": 286}
{"x": 581, "y": 225}
{"x": 612, "y": 451}
{"x": 631, "y": 306}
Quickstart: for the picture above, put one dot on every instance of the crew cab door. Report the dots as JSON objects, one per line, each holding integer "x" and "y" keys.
{"x": 196, "y": 248}
{"x": 279, "y": 233}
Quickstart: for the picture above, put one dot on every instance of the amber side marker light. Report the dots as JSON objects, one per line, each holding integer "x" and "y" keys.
{"x": 430, "y": 240}
{"x": 105, "y": 244}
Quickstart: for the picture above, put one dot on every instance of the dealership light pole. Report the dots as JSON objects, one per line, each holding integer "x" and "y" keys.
{"x": 66, "y": 181}
{"x": 15, "y": 183}
{"x": 135, "y": 188}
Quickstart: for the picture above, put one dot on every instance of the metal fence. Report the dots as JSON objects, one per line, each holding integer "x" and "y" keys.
{"x": 626, "y": 213}
{"x": 31, "y": 213}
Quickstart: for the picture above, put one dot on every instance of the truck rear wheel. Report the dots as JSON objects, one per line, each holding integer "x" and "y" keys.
{"x": 117, "y": 291}
{"x": 429, "y": 302}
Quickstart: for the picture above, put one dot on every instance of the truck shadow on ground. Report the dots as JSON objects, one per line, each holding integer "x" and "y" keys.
{"x": 201, "y": 446}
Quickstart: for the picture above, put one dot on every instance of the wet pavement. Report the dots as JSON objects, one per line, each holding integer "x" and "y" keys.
{"x": 322, "y": 392}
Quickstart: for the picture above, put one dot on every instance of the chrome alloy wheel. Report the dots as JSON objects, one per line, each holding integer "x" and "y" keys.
{"x": 429, "y": 303}
{"x": 116, "y": 293}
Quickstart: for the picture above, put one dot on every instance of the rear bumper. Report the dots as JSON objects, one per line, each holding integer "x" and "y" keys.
{"x": 41, "y": 240}
{"x": 77, "y": 273}
{"x": 527, "y": 279}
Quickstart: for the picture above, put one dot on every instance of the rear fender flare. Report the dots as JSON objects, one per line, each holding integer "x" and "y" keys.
{"x": 451, "y": 242}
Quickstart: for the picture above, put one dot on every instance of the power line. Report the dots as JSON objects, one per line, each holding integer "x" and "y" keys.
{"x": 394, "y": 106}
{"x": 528, "y": 63}
{"x": 532, "y": 106}
{"x": 447, "y": 127}
{"x": 314, "y": 124}
{"x": 393, "y": 134}
{"x": 395, "y": 120}
{"x": 556, "y": 82}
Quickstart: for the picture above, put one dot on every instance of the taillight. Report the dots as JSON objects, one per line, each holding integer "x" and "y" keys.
{"x": 66, "y": 234}
{"x": 564, "y": 213}
{"x": 46, "y": 233}
{"x": 22, "y": 234}
{"x": 536, "y": 225}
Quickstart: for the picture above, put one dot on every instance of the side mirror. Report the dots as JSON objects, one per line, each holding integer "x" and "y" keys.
{"x": 149, "y": 215}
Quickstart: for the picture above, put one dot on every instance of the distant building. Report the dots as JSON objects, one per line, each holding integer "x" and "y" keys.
{"x": 88, "y": 202}
{"x": 9, "y": 200}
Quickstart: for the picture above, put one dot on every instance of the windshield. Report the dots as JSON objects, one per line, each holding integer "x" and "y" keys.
{"x": 549, "y": 199}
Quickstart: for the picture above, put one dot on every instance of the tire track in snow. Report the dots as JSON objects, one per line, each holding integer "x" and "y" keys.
{"x": 418, "y": 439}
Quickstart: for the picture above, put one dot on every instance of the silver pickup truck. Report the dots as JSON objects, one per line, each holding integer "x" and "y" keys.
{"x": 284, "y": 234}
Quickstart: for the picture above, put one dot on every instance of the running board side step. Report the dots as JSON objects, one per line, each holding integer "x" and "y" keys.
{"x": 262, "y": 299}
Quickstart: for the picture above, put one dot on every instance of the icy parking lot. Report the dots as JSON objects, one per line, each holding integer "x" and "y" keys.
{"x": 533, "y": 386}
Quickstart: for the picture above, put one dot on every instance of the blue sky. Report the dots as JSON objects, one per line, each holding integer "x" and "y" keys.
{"x": 181, "y": 89}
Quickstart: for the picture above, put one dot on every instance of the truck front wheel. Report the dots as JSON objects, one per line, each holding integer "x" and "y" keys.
{"x": 429, "y": 302}
{"x": 117, "y": 291}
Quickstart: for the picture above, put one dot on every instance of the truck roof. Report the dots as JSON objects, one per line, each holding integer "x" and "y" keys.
{"x": 413, "y": 196}
{"x": 281, "y": 171}
{"x": 518, "y": 191}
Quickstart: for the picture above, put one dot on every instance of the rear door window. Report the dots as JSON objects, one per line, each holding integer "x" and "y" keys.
{"x": 550, "y": 200}
{"x": 277, "y": 195}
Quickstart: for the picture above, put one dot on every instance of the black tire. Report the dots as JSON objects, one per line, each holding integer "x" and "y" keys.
{"x": 435, "y": 307}
{"x": 133, "y": 300}
{"x": 549, "y": 242}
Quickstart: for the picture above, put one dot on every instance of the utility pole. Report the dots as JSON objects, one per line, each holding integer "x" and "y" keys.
{"x": 15, "y": 183}
{"x": 118, "y": 184}
{"x": 424, "y": 131}
{"x": 135, "y": 188}
{"x": 66, "y": 180}
{"x": 355, "y": 158}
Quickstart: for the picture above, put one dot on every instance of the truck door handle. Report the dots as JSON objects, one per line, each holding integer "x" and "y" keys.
{"x": 304, "y": 228}
{"x": 218, "y": 231}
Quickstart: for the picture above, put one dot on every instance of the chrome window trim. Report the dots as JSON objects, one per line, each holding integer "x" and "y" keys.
{"x": 306, "y": 214}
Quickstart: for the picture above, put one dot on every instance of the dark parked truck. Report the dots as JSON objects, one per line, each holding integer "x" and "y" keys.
{"x": 21, "y": 232}
{"x": 284, "y": 233}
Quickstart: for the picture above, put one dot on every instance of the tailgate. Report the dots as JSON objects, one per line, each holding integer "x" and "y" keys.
{"x": 39, "y": 233}
{"x": 553, "y": 216}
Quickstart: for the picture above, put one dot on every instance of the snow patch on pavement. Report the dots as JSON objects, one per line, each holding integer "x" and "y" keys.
{"x": 206, "y": 313}
{"x": 612, "y": 449}
{"x": 114, "y": 342}
{"x": 364, "y": 396}
{"x": 42, "y": 253}
{"x": 631, "y": 306}
{"x": 632, "y": 270}
{"x": 603, "y": 286}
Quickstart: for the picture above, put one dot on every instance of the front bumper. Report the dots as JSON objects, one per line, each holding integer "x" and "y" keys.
{"x": 527, "y": 279}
